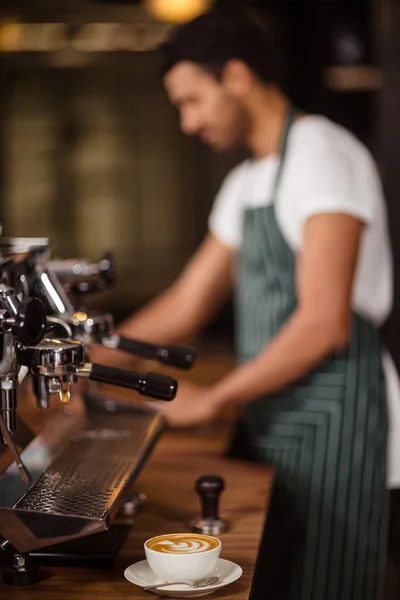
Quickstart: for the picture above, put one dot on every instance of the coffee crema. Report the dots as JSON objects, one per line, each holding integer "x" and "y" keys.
{"x": 182, "y": 543}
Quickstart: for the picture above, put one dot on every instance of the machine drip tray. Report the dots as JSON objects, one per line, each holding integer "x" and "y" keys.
{"x": 97, "y": 550}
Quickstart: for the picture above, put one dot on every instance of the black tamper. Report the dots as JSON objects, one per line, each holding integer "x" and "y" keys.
{"x": 209, "y": 487}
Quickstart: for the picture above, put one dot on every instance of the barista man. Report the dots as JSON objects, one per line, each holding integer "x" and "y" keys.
{"x": 299, "y": 232}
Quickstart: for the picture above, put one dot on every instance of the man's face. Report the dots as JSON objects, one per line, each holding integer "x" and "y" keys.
{"x": 207, "y": 107}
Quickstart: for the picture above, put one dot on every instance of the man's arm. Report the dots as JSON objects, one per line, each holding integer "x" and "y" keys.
{"x": 319, "y": 326}
{"x": 187, "y": 306}
{"x": 321, "y": 323}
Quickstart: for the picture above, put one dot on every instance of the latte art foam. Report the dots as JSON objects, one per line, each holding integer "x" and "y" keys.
{"x": 188, "y": 547}
{"x": 183, "y": 544}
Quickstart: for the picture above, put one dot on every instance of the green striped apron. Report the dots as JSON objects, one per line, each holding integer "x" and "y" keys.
{"x": 325, "y": 435}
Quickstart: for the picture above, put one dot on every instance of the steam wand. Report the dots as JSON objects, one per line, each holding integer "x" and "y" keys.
{"x": 22, "y": 470}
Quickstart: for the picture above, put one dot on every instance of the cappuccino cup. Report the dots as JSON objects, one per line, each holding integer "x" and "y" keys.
{"x": 182, "y": 556}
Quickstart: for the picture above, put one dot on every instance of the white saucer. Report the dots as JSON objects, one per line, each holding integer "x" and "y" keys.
{"x": 140, "y": 574}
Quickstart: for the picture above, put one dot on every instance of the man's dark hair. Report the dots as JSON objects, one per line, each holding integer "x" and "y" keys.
{"x": 218, "y": 36}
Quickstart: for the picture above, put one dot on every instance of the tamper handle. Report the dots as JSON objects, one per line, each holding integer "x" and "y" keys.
{"x": 209, "y": 488}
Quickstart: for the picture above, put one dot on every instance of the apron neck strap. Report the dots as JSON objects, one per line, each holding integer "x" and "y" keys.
{"x": 284, "y": 141}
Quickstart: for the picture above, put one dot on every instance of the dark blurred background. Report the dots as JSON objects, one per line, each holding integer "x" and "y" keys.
{"x": 90, "y": 149}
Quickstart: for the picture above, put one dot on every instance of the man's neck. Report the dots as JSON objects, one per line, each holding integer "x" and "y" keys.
{"x": 268, "y": 109}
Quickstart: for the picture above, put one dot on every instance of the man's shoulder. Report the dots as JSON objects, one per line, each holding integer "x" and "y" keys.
{"x": 325, "y": 140}
{"x": 325, "y": 132}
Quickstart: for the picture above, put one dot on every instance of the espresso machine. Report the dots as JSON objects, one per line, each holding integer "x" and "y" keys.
{"x": 54, "y": 282}
{"x": 70, "y": 479}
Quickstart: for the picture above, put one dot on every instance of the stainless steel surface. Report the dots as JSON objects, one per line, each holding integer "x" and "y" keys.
{"x": 53, "y": 364}
{"x": 45, "y": 386}
{"x": 81, "y": 270}
{"x": 112, "y": 341}
{"x": 83, "y": 370}
{"x": 50, "y": 290}
{"x": 83, "y": 487}
{"x": 62, "y": 323}
{"x": 90, "y": 327}
{"x": 19, "y": 561}
{"x": 11, "y": 245}
{"x": 6, "y": 322}
{"x": 74, "y": 267}
{"x": 5, "y": 545}
{"x": 36, "y": 280}
{"x": 85, "y": 478}
{"x": 51, "y": 356}
{"x": 210, "y": 526}
{"x": 8, "y": 402}
{"x": 5, "y": 291}
{"x": 9, "y": 300}
{"x": 8, "y": 363}
{"x": 22, "y": 470}
{"x": 41, "y": 392}
{"x": 205, "y": 582}
{"x": 132, "y": 505}
{"x": 8, "y": 369}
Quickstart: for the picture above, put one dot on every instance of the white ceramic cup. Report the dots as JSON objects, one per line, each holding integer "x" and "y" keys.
{"x": 182, "y": 563}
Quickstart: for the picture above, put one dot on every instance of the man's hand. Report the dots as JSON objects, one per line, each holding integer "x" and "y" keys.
{"x": 193, "y": 405}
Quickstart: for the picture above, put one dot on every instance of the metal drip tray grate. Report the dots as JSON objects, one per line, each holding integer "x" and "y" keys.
{"x": 81, "y": 489}
{"x": 85, "y": 479}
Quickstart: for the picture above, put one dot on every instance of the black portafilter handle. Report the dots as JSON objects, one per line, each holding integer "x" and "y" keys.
{"x": 152, "y": 385}
{"x": 209, "y": 488}
{"x": 181, "y": 357}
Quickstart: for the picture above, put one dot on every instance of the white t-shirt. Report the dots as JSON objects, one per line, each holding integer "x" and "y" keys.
{"x": 327, "y": 170}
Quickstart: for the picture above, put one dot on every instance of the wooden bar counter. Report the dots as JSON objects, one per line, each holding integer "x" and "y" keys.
{"x": 168, "y": 480}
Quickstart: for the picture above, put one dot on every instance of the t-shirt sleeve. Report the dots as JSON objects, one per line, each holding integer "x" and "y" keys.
{"x": 225, "y": 220}
{"x": 331, "y": 176}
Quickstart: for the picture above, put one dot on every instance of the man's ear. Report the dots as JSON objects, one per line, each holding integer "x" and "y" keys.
{"x": 237, "y": 78}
